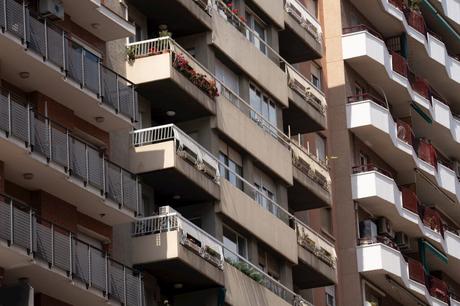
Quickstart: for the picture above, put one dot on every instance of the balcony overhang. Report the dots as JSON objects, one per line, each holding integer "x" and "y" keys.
{"x": 304, "y": 114}
{"x": 158, "y": 79}
{"x": 173, "y": 176}
{"x": 183, "y": 17}
{"x": 172, "y": 262}
{"x": 297, "y": 43}
{"x": 312, "y": 272}
{"x": 305, "y": 187}
{"x": 95, "y": 17}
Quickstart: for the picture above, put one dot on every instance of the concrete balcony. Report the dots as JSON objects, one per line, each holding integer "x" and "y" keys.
{"x": 175, "y": 164}
{"x": 40, "y": 57}
{"x": 183, "y": 17}
{"x": 177, "y": 251}
{"x": 312, "y": 180}
{"x": 301, "y": 39}
{"x": 165, "y": 71}
{"x": 272, "y": 226}
{"x": 97, "y": 18}
{"x": 256, "y": 135}
{"x": 386, "y": 267}
{"x": 75, "y": 272}
{"x": 305, "y": 100}
{"x": 62, "y": 164}
{"x": 229, "y": 37}
{"x": 317, "y": 259}
{"x": 379, "y": 194}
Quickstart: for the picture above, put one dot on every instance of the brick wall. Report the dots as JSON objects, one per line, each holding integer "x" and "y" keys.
{"x": 41, "y": 299}
{"x": 55, "y": 210}
{"x": 18, "y": 192}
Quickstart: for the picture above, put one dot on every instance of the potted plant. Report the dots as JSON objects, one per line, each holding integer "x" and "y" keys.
{"x": 163, "y": 31}
{"x": 131, "y": 54}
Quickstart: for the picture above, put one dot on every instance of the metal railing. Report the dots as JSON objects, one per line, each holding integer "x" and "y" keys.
{"x": 313, "y": 242}
{"x": 297, "y": 10}
{"x": 168, "y": 132}
{"x": 157, "y": 46}
{"x": 77, "y": 63}
{"x": 185, "y": 146}
{"x": 173, "y": 221}
{"x": 57, "y": 144}
{"x": 240, "y": 24}
{"x": 309, "y": 164}
{"x": 191, "y": 236}
{"x": 61, "y": 250}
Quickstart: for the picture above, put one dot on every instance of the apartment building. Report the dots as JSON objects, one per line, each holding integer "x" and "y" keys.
{"x": 164, "y": 153}
{"x": 392, "y": 95}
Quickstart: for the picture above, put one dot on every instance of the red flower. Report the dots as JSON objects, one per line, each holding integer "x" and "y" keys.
{"x": 235, "y": 11}
{"x": 229, "y": 4}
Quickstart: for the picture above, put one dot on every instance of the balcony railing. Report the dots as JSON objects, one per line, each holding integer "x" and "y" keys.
{"x": 416, "y": 271}
{"x": 57, "y": 144}
{"x": 410, "y": 200}
{"x": 186, "y": 147}
{"x": 306, "y": 20}
{"x": 371, "y": 167}
{"x": 60, "y": 250}
{"x": 191, "y": 236}
{"x": 310, "y": 165}
{"x": 361, "y": 27}
{"x": 77, "y": 63}
{"x": 367, "y": 97}
{"x": 194, "y": 149}
{"x": 439, "y": 289}
{"x": 212, "y": 250}
{"x": 316, "y": 244}
{"x": 205, "y": 5}
{"x": 240, "y": 24}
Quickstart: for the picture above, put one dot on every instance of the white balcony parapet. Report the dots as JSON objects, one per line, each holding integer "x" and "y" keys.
{"x": 364, "y": 43}
{"x": 375, "y": 184}
{"x": 245, "y": 30}
{"x": 315, "y": 243}
{"x": 170, "y": 220}
{"x": 297, "y": 10}
{"x": 367, "y": 112}
{"x": 59, "y": 250}
{"x": 170, "y": 131}
{"x": 380, "y": 257}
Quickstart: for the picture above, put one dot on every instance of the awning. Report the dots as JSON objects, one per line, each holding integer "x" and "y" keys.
{"x": 425, "y": 246}
{"x": 421, "y": 112}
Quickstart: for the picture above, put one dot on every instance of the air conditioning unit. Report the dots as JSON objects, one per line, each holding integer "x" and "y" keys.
{"x": 402, "y": 240}
{"x": 384, "y": 227}
{"x": 54, "y": 9}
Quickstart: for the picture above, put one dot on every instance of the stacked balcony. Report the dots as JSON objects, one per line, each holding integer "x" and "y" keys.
{"x": 37, "y": 55}
{"x": 75, "y": 272}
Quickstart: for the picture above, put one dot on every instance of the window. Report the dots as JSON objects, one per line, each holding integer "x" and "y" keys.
{"x": 264, "y": 106}
{"x": 234, "y": 244}
{"x": 326, "y": 220}
{"x": 258, "y": 35}
{"x": 138, "y": 35}
{"x": 320, "y": 147}
{"x": 266, "y": 187}
{"x": 330, "y": 296}
{"x": 229, "y": 78}
{"x": 269, "y": 263}
{"x": 232, "y": 159}
{"x": 316, "y": 75}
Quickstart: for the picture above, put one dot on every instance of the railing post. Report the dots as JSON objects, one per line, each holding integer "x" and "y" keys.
{"x": 9, "y": 114}
{"x": 31, "y": 232}
{"x": 50, "y": 145}
{"x": 118, "y": 93}
{"x": 64, "y": 53}
{"x": 11, "y": 222}
{"x": 29, "y": 127}
{"x": 87, "y": 163}
{"x": 70, "y": 256}
{"x": 99, "y": 77}
{"x": 134, "y": 102}
{"x": 104, "y": 190}
{"x": 89, "y": 266}
{"x": 4, "y": 14}
{"x": 124, "y": 285}
{"x": 83, "y": 68}
{"x": 45, "y": 23}
{"x": 140, "y": 302}
{"x": 137, "y": 195}
{"x": 106, "y": 276}
{"x": 24, "y": 22}
{"x": 52, "y": 244}
{"x": 121, "y": 188}
{"x": 68, "y": 151}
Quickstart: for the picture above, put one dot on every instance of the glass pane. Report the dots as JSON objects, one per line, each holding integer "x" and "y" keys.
{"x": 230, "y": 243}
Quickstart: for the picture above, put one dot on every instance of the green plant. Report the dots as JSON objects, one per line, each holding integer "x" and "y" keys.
{"x": 212, "y": 252}
{"x": 131, "y": 53}
{"x": 415, "y": 5}
{"x": 246, "y": 269}
{"x": 163, "y": 31}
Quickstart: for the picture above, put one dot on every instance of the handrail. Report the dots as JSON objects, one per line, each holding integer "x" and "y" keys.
{"x": 75, "y": 61}
{"x": 359, "y": 28}
{"x": 219, "y": 4}
{"x": 371, "y": 167}
{"x": 164, "y": 133}
{"x": 58, "y": 145}
{"x": 268, "y": 281}
{"x": 366, "y": 96}
{"x": 299, "y": 11}
{"x": 59, "y": 247}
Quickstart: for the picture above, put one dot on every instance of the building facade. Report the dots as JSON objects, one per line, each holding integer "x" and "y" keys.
{"x": 392, "y": 96}
{"x": 165, "y": 153}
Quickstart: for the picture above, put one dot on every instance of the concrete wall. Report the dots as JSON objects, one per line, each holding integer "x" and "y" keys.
{"x": 260, "y": 144}
{"x": 149, "y": 69}
{"x": 153, "y": 157}
{"x": 244, "y": 211}
{"x": 274, "y": 9}
{"x": 261, "y": 69}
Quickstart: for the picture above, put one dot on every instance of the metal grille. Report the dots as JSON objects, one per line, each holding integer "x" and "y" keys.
{"x": 36, "y": 36}
{"x": 116, "y": 281}
{"x": 21, "y": 228}
{"x": 59, "y": 146}
{"x": 55, "y": 46}
{"x": 132, "y": 289}
{"x": 19, "y": 122}
{"x": 109, "y": 87}
{"x": 80, "y": 260}
{"x": 15, "y": 18}
{"x": 113, "y": 181}
{"x": 2, "y": 15}
{"x": 74, "y": 62}
{"x": 129, "y": 191}
{"x": 98, "y": 266}
{"x": 91, "y": 68}
{"x": 78, "y": 158}
{"x": 41, "y": 137}
{"x": 4, "y": 115}
{"x": 43, "y": 242}
{"x": 61, "y": 244}
{"x": 95, "y": 164}
{"x": 5, "y": 226}
{"x": 126, "y": 98}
